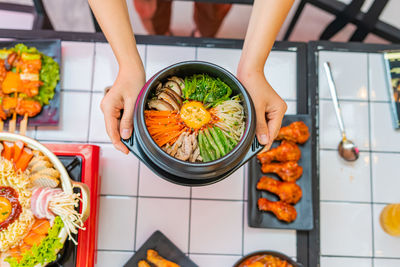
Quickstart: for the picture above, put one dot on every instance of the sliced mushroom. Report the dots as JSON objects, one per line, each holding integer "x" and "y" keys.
{"x": 158, "y": 87}
{"x": 169, "y": 99}
{"x": 160, "y": 105}
{"x": 172, "y": 93}
{"x": 174, "y": 86}
{"x": 178, "y": 80}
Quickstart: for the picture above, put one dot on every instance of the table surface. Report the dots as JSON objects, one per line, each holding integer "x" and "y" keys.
{"x": 352, "y": 194}
{"x": 208, "y": 223}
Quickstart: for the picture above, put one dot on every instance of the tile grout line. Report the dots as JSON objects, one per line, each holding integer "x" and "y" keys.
{"x": 364, "y": 150}
{"x": 358, "y": 257}
{"x": 370, "y": 161}
{"x": 243, "y": 208}
{"x": 91, "y": 92}
{"x": 355, "y": 100}
{"x": 116, "y": 250}
{"x": 352, "y": 202}
{"x": 190, "y": 219}
{"x": 137, "y": 205}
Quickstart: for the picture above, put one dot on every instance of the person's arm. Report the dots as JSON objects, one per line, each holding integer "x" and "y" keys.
{"x": 266, "y": 19}
{"x": 113, "y": 18}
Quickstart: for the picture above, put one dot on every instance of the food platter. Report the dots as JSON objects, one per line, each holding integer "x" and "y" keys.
{"x": 50, "y": 114}
{"x": 160, "y": 243}
{"x": 262, "y": 219}
{"x": 64, "y": 188}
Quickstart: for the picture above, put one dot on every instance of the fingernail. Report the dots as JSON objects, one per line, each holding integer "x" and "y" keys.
{"x": 125, "y": 134}
{"x": 263, "y": 139}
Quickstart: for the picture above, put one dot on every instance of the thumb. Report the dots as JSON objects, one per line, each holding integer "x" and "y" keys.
{"x": 262, "y": 127}
{"x": 126, "y": 125}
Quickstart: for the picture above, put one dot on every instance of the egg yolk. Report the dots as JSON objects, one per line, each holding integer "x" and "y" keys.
{"x": 195, "y": 115}
{"x": 5, "y": 209}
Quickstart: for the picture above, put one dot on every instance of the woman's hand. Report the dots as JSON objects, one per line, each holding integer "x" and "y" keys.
{"x": 269, "y": 106}
{"x": 121, "y": 98}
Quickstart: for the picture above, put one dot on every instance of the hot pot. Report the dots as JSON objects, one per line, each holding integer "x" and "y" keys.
{"x": 279, "y": 255}
{"x": 181, "y": 172}
{"x": 67, "y": 185}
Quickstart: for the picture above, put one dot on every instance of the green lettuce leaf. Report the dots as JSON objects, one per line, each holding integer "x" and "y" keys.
{"x": 45, "y": 252}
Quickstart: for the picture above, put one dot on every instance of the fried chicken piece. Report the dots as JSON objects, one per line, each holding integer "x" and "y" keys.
{"x": 286, "y": 151}
{"x": 288, "y": 171}
{"x": 288, "y": 192}
{"x": 296, "y": 132}
{"x": 158, "y": 261}
{"x": 9, "y": 104}
{"x": 30, "y": 107}
{"x": 143, "y": 263}
{"x": 283, "y": 211}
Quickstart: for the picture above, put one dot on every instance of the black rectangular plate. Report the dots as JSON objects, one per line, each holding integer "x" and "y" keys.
{"x": 262, "y": 219}
{"x": 164, "y": 247}
{"x": 50, "y": 114}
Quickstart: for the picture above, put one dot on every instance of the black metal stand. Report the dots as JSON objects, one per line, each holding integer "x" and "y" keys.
{"x": 366, "y": 22}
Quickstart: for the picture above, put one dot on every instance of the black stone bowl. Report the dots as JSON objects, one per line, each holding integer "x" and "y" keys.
{"x": 183, "y": 172}
{"x": 268, "y": 252}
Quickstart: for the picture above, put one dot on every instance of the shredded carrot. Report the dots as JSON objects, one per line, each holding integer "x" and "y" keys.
{"x": 164, "y": 126}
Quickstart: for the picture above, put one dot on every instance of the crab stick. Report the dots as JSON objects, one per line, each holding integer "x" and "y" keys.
{"x": 8, "y": 152}
{"x": 24, "y": 159}
{"x": 18, "y": 148}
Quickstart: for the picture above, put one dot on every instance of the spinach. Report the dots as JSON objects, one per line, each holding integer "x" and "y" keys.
{"x": 206, "y": 89}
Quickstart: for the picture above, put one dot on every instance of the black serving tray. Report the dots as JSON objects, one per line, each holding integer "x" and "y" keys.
{"x": 164, "y": 247}
{"x": 50, "y": 114}
{"x": 262, "y": 219}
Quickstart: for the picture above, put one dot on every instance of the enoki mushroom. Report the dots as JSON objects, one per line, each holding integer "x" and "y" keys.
{"x": 63, "y": 205}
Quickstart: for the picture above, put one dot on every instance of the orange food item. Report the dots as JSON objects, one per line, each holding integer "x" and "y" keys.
{"x": 24, "y": 247}
{"x": 30, "y": 65}
{"x": 12, "y": 83}
{"x": 24, "y": 159}
{"x": 289, "y": 171}
{"x": 296, "y": 132}
{"x": 265, "y": 261}
{"x": 164, "y": 126}
{"x": 30, "y": 107}
{"x": 283, "y": 211}
{"x": 287, "y": 191}
{"x": 286, "y": 151}
{"x": 41, "y": 226}
{"x": 18, "y": 147}
{"x": 33, "y": 238}
{"x": 5, "y": 208}
{"x": 195, "y": 115}
{"x": 15, "y": 253}
{"x": 8, "y": 152}
{"x": 157, "y": 260}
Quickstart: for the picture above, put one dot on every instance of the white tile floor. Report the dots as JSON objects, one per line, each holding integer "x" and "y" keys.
{"x": 208, "y": 222}
{"x": 353, "y": 194}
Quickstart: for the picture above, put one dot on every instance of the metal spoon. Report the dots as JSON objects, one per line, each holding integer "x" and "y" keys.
{"x": 347, "y": 149}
